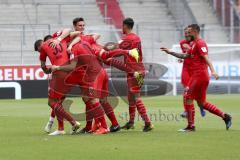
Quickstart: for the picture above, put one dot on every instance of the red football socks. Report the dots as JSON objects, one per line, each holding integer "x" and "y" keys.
{"x": 110, "y": 113}
{"x": 142, "y": 111}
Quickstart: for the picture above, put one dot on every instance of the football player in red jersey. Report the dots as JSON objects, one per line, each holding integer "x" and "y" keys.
{"x": 56, "y": 50}
{"x": 132, "y": 41}
{"x": 198, "y": 83}
{"x": 185, "y": 45}
{"x": 79, "y": 25}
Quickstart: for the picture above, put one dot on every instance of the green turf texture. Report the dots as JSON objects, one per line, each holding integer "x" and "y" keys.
{"x": 22, "y": 136}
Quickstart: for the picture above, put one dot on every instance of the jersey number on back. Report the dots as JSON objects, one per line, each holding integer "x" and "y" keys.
{"x": 58, "y": 49}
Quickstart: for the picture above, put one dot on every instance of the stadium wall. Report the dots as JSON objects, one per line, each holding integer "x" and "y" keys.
{"x": 113, "y": 10}
{"x": 34, "y": 84}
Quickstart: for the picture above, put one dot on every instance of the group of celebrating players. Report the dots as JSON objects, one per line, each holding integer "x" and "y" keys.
{"x": 77, "y": 60}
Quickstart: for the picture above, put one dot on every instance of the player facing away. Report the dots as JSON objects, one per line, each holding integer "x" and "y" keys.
{"x": 128, "y": 42}
{"x": 185, "y": 45}
{"x": 58, "y": 36}
{"x": 57, "y": 55}
{"x": 198, "y": 83}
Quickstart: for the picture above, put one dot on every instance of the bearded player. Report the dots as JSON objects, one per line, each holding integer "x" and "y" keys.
{"x": 185, "y": 45}
{"x": 198, "y": 83}
{"x": 132, "y": 41}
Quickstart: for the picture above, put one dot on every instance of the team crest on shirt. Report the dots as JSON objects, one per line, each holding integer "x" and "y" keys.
{"x": 204, "y": 49}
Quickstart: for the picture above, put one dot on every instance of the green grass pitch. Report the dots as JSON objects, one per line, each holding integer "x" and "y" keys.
{"x": 22, "y": 136}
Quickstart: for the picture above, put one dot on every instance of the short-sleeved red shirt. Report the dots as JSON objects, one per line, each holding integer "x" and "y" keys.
{"x": 57, "y": 55}
{"x": 131, "y": 41}
{"x": 87, "y": 60}
{"x": 198, "y": 63}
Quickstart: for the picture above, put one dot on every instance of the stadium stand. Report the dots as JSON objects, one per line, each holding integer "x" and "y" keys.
{"x": 153, "y": 30}
{"x": 34, "y": 19}
{"x": 214, "y": 31}
{"x": 113, "y": 11}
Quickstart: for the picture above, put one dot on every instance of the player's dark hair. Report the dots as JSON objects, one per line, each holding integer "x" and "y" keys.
{"x": 76, "y": 20}
{"x": 47, "y": 37}
{"x": 195, "y": 27}
{"x": 128, "y": 22}
{"x": 37, "y": 44}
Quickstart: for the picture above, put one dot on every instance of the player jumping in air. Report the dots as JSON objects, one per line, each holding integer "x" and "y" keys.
{"x": 198, "y": 83}
{"x": 185, "y": 45}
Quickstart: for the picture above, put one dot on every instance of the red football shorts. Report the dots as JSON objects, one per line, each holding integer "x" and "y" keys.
{"x": 197, "y": 88}
{"x": 98, "y": 88}
{"x": 133, "y": 86}
{"x": 57, "y": 88}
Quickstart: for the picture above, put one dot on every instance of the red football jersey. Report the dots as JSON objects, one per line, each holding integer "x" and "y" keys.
{"x": 87, "y": 38}
{"x": 57, "y": 56}
{"x": 186, "y": 48}
{"x": 87, "y": 60}
{"x": 198, "y": 63}
{"x": 131, "y": 41}
{"x": 59, "y": 33}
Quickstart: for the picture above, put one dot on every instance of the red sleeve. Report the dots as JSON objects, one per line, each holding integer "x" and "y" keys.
{"x": 43, "y": 55}
{"x": 67, "y": 39}
{"x": 125, "y": 44}
{"x": 202, "y": 48}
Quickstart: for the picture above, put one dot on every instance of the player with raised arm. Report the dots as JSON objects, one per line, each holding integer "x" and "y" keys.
{"x": 185, "y": 45}
{"x": 56, "y": 50}
{"x": 199, "y": 80}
